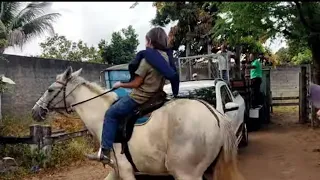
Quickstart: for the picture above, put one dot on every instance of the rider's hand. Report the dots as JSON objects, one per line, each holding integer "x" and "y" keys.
{"x": 318, "y": 112}
{"x": 117, "y": 85}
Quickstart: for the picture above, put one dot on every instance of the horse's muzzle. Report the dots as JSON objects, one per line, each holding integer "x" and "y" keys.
{"x": 39, "y": 113}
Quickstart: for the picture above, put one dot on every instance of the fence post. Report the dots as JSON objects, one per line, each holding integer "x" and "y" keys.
{"x": 271, "y": 106}
{"x": 312, "y": 110}
{"x": 189, "y": 63}
{"x": 303, "y": 115}
{"x": 47, "y": 143}
{"x": 0, "y": 108}
{"x": 209, "y": 61}
{"x": 36, "y": 136}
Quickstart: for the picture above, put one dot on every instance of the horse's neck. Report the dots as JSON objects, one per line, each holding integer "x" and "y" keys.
{"x": 92, "y": 112}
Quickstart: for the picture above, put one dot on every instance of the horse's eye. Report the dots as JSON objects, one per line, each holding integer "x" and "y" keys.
{"x": 50, "y": 90}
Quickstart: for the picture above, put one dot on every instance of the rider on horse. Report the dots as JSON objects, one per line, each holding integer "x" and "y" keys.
{"x": 149, "y": 71}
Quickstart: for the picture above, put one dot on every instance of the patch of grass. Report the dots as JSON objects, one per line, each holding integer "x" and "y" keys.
{"x": 12, "y": 126}
{"x": 285, "y": 109}
{"x": 62, "y": 154}
{"x": 20, "y": 173}
{"x": 70, "y": 124}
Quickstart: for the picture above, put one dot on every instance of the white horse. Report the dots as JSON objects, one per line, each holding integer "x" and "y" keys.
{"x": 182, "y": 138}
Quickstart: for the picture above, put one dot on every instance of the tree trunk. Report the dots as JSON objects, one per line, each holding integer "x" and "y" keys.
{"x": 2, "y": 50}
{"x": 314, "y": 43}
{"x": 237, "y": 62}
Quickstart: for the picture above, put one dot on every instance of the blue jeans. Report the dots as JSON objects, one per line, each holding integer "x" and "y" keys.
{"x": 123, "y": 107}
{"x": 225, "y": 75}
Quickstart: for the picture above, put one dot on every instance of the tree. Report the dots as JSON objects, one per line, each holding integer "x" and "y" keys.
{"x": 122, "y": 47}
{"x": 18, "y": 26}
{"x": 298, "y": 22}
{"x": 283, "y": 55}
{"x": 195, "y": 20}
{"x": 304, "y": 57}
{"x": 59, "y": 47}
{"x": 238, "y": 20}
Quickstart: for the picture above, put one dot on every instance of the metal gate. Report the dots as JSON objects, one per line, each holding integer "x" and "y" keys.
{"x": 205, "y": 66}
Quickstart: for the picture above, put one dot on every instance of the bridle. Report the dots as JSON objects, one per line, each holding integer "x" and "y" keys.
{"x": 68, "y": 109}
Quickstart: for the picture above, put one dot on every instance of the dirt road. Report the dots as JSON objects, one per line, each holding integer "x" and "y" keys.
{"x": 281, "y": 151}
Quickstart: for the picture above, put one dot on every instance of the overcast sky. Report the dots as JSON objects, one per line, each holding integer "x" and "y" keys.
{"x": 93, "y": 21}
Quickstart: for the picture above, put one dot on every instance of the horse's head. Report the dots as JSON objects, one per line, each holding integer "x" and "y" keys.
{"x": 58, "y": 96}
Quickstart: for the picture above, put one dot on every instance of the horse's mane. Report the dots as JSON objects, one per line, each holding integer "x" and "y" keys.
{"x": 97, "y": 89}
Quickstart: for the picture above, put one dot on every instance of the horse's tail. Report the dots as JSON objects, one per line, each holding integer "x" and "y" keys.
{"x": 226, "y": 167}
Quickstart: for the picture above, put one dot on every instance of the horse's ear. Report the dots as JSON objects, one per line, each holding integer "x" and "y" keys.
{"x": 77, "y": 73}
{"x": 67, "y": 74}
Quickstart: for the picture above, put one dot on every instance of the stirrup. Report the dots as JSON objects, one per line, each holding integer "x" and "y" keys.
{"x": 97, "y": 158}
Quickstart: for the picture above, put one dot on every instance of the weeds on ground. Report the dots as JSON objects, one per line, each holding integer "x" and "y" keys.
{"x": 286, "y": 109}
{"x": 12, "y": 126}
{"x": 62, "y": 154}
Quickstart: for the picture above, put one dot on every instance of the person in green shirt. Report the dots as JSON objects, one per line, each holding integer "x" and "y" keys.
{"x": 256, "y": 79}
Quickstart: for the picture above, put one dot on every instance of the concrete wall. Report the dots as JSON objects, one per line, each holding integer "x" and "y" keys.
{"x": 32, "y": 77}
{"x": 285, "y": 81}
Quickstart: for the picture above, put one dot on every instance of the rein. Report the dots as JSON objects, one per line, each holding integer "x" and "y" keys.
{"x": 63, "y": 89}
{"x": 81, "y": 102}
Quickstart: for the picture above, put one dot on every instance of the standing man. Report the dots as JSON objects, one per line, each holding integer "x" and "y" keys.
{"x": 224, "y": 62}
{"x": 256, "y": 79}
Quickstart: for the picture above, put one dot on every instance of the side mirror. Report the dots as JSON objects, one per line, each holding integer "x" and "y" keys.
{"x": 231, "y": 106}
{"x": 235, "y": 93}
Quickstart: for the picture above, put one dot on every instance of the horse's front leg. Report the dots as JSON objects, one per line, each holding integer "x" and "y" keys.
{"x": 124, "y": 166}
{"x": 126, "y": 174}
{"x": 112, "y": 175}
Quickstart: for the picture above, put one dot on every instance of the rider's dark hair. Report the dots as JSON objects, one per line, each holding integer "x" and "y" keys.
{"x": 158, "y": 38}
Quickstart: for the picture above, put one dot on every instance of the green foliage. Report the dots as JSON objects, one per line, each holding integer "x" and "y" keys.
{"x": 13, "y": 126}
{"x": 304, "y": 57}
{"x": 239, "y": 20}
{"x": 62, "y": 154}
{"x": 3, "y": 42}
{"x": 298, "y": 22}
{"x": 19, "y": 24}
{"x": 195, "y": 18}
{"x": 250, "y": 44}
{"x": 122, "y": 47}
{"x": 283, "y": 55}
{"x": 233, "y": 24}
{"x": 59, "y": 47}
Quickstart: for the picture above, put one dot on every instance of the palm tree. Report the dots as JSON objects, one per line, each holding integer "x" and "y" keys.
{"x": 18, "y": 26}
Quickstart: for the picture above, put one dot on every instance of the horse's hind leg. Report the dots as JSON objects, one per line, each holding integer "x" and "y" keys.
{"x": 182, "y": 168}
{"x": 186, "y": 177}
{"x": 111, "y": 176}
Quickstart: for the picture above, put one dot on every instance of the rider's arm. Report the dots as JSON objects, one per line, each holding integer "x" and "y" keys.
{"x": 253, "y": 65}
{"x": 140, "y": 74}
{"x": 136, "y": 82}
{"x": 164, "y": 68}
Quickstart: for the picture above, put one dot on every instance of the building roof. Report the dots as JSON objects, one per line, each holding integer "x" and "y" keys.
{"x": 118, "y": 67}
